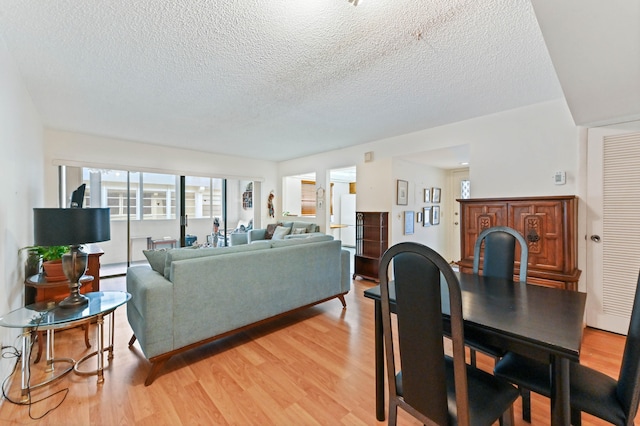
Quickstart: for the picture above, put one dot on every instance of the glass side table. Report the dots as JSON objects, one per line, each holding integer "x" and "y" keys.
{"x": 48, "y": 316}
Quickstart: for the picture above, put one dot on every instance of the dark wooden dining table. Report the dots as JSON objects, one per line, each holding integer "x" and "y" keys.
{"x": 541, "y": 322}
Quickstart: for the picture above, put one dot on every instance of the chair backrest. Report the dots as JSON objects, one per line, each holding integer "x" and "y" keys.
{"x": 628, "y": 390}
{"x": 499, "y": 253}
{"x": 417, "y": 271}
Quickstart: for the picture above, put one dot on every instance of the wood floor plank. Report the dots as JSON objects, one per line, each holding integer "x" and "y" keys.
{"x": 314, "y": 367}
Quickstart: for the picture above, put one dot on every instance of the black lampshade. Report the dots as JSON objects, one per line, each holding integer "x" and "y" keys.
{"x": 58, "y": 227}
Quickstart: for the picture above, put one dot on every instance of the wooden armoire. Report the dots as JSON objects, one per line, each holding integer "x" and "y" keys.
{"x": 548, "y": 224}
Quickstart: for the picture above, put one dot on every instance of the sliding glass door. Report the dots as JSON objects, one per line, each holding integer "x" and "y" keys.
{"x": 159, "y": 211}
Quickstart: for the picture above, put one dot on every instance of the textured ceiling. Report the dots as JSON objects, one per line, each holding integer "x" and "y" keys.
{"x": 274, "y": 79}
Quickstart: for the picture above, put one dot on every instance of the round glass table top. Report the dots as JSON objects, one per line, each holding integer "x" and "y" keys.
{"x": 50, "y": 315}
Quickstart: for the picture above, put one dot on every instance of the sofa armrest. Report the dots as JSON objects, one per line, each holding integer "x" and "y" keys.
{"x": 239, "y": 238}
{"x": 150, "y": 310}
{"x": 256, "y": 234}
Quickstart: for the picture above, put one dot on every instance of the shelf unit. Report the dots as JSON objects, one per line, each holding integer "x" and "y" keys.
{"x": 372, "y": 240}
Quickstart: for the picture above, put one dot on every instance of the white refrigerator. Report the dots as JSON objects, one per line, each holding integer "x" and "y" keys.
{"x": 348, "y": 218}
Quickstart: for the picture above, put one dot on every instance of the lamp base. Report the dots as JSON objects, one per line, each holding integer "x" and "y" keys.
{"x": 74, "y": 264}
{"x": 73, "y": 301}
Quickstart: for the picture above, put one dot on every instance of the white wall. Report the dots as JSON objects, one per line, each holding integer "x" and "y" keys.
{"x": 419, "y": 177}
{"x": 290, "y": 203}
{"x": 21, "y": 164}
{"x": 513, "y": 153}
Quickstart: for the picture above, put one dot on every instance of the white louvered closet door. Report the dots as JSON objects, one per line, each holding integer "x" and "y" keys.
{"x": 613, "y": 227}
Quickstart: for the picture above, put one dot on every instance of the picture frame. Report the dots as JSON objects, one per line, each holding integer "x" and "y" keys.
{"x": 435, "y": 215}
{"x": 403, "y": 193}
{"x": 435, "y": 195}
{"x": 419, "y": 217}
{"x": 427, "y": 195}
{"x": 426, "y": 216}
{"x": 408, "y": 222}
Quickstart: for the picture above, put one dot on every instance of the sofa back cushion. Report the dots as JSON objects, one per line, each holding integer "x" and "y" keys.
{"x": 157, "y": 259}
{"x": 296, "y": 241}
{"x": 184, "y": 253}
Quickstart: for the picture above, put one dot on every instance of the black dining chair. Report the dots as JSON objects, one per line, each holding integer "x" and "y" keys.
{"x": 498, "y": 262}
{"x": 591, "y": 391}
{"x": 433, "y": 387}
{"x": 499, "y": 253}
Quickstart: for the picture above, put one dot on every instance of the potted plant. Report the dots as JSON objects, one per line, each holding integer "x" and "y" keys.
{"x": 51, "y": 258}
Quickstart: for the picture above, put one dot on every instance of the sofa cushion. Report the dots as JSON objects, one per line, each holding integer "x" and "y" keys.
{"x": 299, "y": 231}
{"x": 182, "y": 254}
{"x": 280, "y": 232}
{"x": 157, "y": 259}
{"x": 294, "y": 241}
{"x": 310, "y": 227}
{"x": 271, "y": 228}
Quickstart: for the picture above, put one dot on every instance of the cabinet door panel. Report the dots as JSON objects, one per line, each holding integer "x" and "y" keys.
{"x": 538, "y": 223}
{"x": 476, "y": 218}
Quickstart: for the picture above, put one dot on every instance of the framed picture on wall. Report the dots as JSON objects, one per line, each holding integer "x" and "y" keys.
{"x": 408, "y": 222}
{"x": 435, "y": 215}
{"x": 426, "y": 216}
{"x": 435, "y": 196}
{"x": 403, "y": 193}
{"x": 419, "y": 217}
{"x": 427, "y": 195}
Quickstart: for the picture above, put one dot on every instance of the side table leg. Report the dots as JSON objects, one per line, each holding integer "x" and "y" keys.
{"x": 49, "y": 351}
{"x": 111, "y": 327}
{"x": 26, "y": 355}
{"x": 100, "y": 353}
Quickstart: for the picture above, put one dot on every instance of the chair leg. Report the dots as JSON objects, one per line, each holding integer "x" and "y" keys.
{"x": 472, "y": 356}
{"x": 393, "y": 414}
{"x": 526, "y": 404}
{"x": 508, "y": 418}
{"x": 576, "y": 419}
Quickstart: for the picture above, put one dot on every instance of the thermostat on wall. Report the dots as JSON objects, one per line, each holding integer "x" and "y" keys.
{"x": 560, "y": 178}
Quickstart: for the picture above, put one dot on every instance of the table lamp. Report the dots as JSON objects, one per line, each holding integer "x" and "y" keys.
{"x": 73, "y": 227}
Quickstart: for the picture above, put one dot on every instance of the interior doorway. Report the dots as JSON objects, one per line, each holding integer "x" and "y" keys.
{"x": 459, "y": 187}
{"x": 343, "y": 205}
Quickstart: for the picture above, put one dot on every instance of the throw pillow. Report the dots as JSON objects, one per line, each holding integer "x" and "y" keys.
{"x": 299, "y": 231}
{"x": 156, "y": 259}
{"x": 270, "y": 230}
{"x": 280, "y": 232}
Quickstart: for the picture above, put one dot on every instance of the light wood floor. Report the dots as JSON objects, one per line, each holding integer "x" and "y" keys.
{"x": 311, "y": 368}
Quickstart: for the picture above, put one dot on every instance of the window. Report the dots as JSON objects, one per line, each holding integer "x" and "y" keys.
{"x": 465, "y": 189}
{"x": 203, "y": 197}
{"x": 152, "y": 195}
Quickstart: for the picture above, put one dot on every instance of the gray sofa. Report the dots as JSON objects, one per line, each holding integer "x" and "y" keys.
{"x": 195, "y": 296}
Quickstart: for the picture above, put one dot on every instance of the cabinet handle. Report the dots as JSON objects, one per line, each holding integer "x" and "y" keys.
{"x": 595, "y": 238}
{"x": 532, "y": 236}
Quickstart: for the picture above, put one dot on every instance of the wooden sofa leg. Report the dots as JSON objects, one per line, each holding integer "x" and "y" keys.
{"x": 156, "y": 366}
{"x": 344, "y": 302}
{"x": 132, "y": 340}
